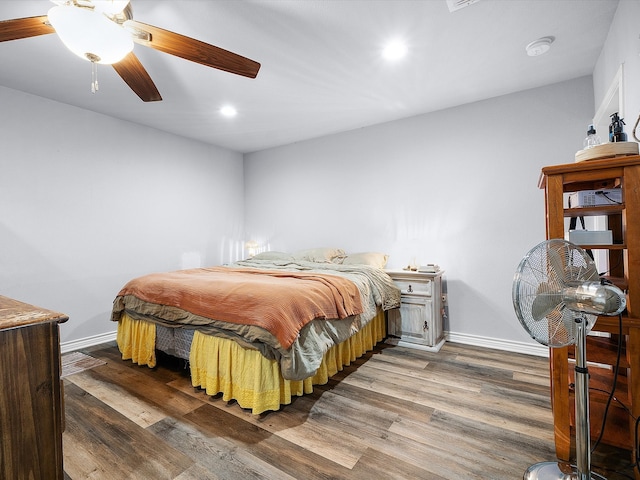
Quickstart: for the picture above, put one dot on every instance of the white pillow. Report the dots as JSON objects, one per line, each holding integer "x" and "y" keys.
{"x": 320, "y": 255}
{"x": 272, "y": 256}
{"x": 374, "y": 259}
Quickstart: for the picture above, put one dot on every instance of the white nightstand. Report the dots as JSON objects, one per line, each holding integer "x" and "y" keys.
{"x": 418, "y": 322}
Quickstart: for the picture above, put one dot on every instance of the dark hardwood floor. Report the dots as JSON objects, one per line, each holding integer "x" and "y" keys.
{"x": 397, "y": 413}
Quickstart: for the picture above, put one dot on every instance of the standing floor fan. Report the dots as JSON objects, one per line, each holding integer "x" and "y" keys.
{"x": 557, "y": 296}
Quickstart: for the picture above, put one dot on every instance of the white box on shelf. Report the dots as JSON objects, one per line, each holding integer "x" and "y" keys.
{"x": 591, "y": 237}
{"x": 592, "y": 198}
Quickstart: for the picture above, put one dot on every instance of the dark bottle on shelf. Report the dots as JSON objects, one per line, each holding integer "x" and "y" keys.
{"x": 616, "y": 133}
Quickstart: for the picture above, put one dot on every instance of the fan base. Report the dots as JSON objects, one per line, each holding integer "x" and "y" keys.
{"x": 556, "y": 471}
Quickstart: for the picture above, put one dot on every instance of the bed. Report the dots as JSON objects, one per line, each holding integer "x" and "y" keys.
{"x": 263, "y": 330}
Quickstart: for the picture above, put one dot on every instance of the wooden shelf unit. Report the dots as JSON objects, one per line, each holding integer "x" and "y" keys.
{"x": 624, "y": 261}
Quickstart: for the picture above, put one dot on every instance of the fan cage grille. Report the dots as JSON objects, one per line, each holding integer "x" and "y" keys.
{"x": 537, "y": 291}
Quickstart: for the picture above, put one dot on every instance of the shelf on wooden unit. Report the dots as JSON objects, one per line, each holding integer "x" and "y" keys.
{"x": 594, "y": 211}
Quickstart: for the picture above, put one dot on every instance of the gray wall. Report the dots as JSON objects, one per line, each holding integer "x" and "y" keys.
{"x": 622, "y": 47}
{"x": 456, "y": 187}
{"x": 88, "y": 201}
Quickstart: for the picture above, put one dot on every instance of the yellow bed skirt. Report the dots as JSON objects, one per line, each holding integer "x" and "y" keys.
{"x": 222, "y": 366}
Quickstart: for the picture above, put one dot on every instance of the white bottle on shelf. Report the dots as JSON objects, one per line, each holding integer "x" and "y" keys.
{"x": 592, "y": 138}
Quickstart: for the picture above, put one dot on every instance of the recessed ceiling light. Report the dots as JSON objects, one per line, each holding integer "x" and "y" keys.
{"x": 394, "y": 50}
{"x": 540, "y": 46}
{"x": 228, "y": 111}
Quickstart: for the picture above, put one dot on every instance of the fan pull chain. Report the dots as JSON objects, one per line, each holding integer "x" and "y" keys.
{"x": 94, "y": 77}
{"x": 94, "y": 59}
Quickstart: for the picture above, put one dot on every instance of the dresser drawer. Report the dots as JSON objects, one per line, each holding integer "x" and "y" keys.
{"x": 422, "y": 287}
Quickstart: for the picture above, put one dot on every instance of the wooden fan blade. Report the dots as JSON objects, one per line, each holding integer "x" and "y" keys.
{"x": 138, "y": 79}
{"x": 192, "y": 49}
{"x": 18, "y": 28}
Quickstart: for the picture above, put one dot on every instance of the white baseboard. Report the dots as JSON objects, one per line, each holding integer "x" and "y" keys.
{"x": 87, "y": 342}
{"x": 536, "y": 349}
{"x": 466, "y": 339}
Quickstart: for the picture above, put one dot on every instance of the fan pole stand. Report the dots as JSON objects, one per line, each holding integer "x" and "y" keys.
{"x": 582, "y": 469}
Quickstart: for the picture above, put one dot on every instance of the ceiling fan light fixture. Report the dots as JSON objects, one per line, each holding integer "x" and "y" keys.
{"x": 90, "y": 34}
{"x": 110, "y": 7}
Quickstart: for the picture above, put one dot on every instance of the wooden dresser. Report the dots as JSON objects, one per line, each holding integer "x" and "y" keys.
{"x": 623, "y": 255}
{"x": 31, "y": 408}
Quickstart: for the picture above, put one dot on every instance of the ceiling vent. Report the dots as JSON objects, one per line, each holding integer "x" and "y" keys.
{"x": 458, "y": 4}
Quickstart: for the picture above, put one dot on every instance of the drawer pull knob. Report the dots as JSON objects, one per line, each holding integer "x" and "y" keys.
{"x": 410, "y": 289}
{"x": 425, "y": 326}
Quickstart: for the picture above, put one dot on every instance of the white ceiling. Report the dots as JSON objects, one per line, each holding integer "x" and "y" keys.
{"x": 321, "y": 71}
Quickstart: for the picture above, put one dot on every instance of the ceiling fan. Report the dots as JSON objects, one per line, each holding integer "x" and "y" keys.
{"x": 103, "y": 31}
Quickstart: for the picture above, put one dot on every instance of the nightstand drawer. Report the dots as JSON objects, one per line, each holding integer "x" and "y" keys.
{"x": 421, "y": 287}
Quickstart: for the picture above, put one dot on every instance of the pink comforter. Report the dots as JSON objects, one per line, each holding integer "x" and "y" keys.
{"x": 281, "y": 302}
